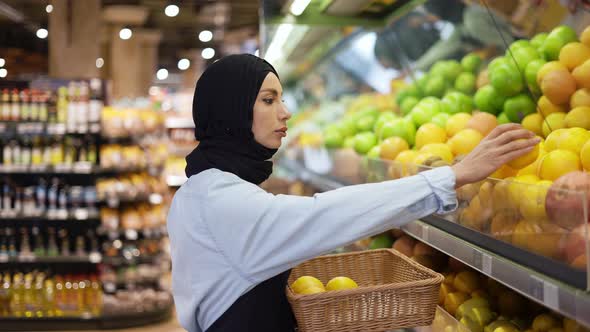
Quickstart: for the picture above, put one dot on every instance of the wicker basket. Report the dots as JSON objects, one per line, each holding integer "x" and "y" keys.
{"x": 394, "y": 292}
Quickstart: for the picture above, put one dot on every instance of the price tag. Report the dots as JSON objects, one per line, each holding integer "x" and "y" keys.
{"x": 486, "y": 264}
{"x": 536, "y": 288}
{"x": 551, "y": 295}
{"x": 477, "y": 259}
{"x": 425, "y": 232}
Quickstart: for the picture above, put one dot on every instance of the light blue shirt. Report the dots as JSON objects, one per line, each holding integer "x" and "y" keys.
{"x": 228, "y": 235}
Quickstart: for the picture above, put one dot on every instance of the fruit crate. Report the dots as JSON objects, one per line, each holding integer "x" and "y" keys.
{"x": 394, "y": 292}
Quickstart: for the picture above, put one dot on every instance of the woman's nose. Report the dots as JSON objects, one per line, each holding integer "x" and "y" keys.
{"x": 285, "y": 114}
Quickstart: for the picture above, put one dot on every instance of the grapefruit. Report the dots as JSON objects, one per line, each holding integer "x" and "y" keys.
{"x": 580, "y": 98}
{"x": 392, "y": 146}
{"x": 574, "y": 139}
{"x": 430, "y": 133}
{"x": 582, "y": 75}
{"x": 464, "y": 141}
{"x": 585, "y": 36}
{"x": 534, "y": 123}
{"x": 546, "y": 107}
{"x": 547, "y": 68}
{"x": 482, "y": 122}
{"x": 553, "y": 140}
{"x": 558, "y": 86}
{"x": 553, "y": 122}
{"x": 457, "y": 123}
{"x": 557, "y": 163}
{"x": 574, "y": 54}
{"x": 578, "y": 117}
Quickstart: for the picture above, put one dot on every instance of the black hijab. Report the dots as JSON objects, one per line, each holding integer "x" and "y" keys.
{"x": 223, "y": 107}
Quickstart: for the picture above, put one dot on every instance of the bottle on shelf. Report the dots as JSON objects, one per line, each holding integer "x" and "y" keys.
{"x": 5, "y": 112}
{"x": 34, "y": 110}
{"x": 25, "y": 106}
{"x": 15, "y": 106}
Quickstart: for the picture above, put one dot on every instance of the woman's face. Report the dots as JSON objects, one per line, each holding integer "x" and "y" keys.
{"x": 270, "y": 114}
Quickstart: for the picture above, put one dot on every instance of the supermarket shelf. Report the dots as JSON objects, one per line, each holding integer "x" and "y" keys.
{"x": 133, "y": 234}
{"x": 80, "y": 216}
{"x": 515, "y": 272}
{"x": 115, "y": 202}
{"x": 82, "y": 168}
{"x": 131, "y": 260}
{"x": 13, "y": 129}
{"x": 112, "y": 287}
{"x": 85, "y": 323}
{"x": 552, "y": 293}
{"x": 94, "y": 258}
{"x": 179, "y": 123}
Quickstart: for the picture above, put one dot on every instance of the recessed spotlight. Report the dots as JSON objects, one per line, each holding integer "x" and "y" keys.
{"x": 184, "y": 64}
{"x": 208, "y": 53}
{"x": 171, "y": 10}
{"x": 205, "y": 36}
{"x": 49, "y": 8}
{"x": 125, "y": 33}
{"x": 99, "y": 62}
{"x": 3, "y": 72}
{"x": 2, "y": 62}
{"x": 42, "y": 33}
{"x": 162, "y": 74}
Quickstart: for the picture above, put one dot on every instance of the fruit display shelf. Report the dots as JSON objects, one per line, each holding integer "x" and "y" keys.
{"x": 86, "y": 323}
{"x": 549, "y": 282}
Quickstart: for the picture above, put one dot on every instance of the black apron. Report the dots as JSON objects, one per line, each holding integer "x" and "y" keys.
{"x": 263, "y": 309}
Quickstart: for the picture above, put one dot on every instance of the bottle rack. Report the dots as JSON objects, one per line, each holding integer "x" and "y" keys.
{"x": 50, "y": 222}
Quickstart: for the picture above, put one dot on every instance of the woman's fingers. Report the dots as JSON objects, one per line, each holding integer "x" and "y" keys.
{"x": 499, "y": 130}
{"x": 515, "y": 154}
{"x": 513, "y": 135}
{"x": 518, "y": 145}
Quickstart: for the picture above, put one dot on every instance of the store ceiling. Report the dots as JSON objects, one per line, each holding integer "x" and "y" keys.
{"x": 178, "y": 33}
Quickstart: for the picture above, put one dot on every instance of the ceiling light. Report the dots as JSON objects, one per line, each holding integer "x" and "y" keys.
{"x": 184, "y": 64}
{"x": 162, "y": 74}
{"x": 298, "y": 6}
{"x": 49, "y": 8}
{"x": 3, "y": 72}
{"x": 42, "y": 33}
{"x": 99, "y": 62}
{"x": 208, "y": 53}
{"x": 2, "y": 62}
{"x": 171, "y": 10}
{"x": 275, "y": 49}
{"x": 205, "y": 36}
{"x": 125, "y": 33}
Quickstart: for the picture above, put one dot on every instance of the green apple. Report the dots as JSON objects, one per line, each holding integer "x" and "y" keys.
{"x": 453, "y": 70}
{"x": 524, "y": 55}
{"x": 503, "y": 119}
{"x": 488, "y": 100}
{"x": 458, "y": 102}
{"x": 438, "y": 69}
{"x": 347, "y": 127}
{"x": 466, "y": 83}
{"x": 530, "y": 74}
{"x": 381, "y": 241}
{"x": 349, "y": 142}
{"x": 366, "y": 123}
{"x": 399, "y": 128}
{"x": 557, "y": 39}
{"x": 471, "y": 63}
{"x": 375, "y": 152}
{"x": 435, "y": 87}
{"x": 425, "y": 110}
{"x": 538, "y": 40}
{"x": 408, "y": 104}
{"x": 518, "y": 44}
{"x": 410, "y": 90}
{"x": 410, "y": 131}
{"x": 384, "y": 117}
{"x": 441, "y": 119}
{"x": 333, "y": 139}
{"x": 364, "y": 142}
{"x": 519, "y": 106}
{"x": 498, "y": 62}
{"x": 506, "y": 79}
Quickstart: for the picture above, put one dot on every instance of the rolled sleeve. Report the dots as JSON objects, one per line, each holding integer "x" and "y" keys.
{"x": 442, "y": 182}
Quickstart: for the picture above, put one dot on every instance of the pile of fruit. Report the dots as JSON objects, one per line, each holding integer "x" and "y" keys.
{"x": 542, "y": 83}
{"x": 310, "y": 285}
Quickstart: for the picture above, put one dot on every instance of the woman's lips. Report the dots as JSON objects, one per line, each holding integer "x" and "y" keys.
{"x": 282, "y": 132}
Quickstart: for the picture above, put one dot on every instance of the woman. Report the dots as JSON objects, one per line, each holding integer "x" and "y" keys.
{"x": 233, "y": 244}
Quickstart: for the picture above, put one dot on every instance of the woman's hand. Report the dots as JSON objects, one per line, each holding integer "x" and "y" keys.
{"x": 505, "y": 143}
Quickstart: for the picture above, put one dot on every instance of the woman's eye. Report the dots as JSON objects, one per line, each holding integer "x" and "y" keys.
{"x": 268, "y": 101}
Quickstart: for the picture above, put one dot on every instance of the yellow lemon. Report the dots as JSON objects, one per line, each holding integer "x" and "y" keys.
{"x": 340, "y": 283}
{"x": 305, "y": 282}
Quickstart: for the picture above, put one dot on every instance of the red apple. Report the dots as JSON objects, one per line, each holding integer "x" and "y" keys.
{"x": 575, "y": 243}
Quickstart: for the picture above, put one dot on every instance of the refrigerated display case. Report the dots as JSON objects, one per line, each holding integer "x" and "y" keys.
{"x": 530, "y": 234}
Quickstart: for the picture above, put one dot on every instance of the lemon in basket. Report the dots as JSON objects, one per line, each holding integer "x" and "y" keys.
{"x": 312, "y": 290}
{"x": 341, "y": 283}
{"x": 305, "y": 282}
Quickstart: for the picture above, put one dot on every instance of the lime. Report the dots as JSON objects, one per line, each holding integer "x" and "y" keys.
{"x": 524, "y": 56}
{"x": 435, "y": 86}
{"x": 503, "y": 119}
{"x": 408, "y": 103}
{"x": 517, "y": 45}
{"x": 457, "y": 102}
{"x": 519, "y": 106}
{"x": 452, "y": 70}
{"x": 531, "y": 74}
{"x": 538, "y": 40}
{"x": 333, "y": 139}
{"x": 506, "y": 80}
{"x": 557, "y": 39}
{"x": 471, "y": 63}
{"x": 425, "y": 110}
{"x": 440, "y": 119}
{"x": 366, "y": 123}
{"x": 381, "y": 241}
{"x": 407, "y": 91}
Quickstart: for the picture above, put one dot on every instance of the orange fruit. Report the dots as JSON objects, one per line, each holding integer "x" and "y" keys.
{"x": 585, "y": 156}
{"x": 526, "y": 159}
{"x": 557, "y": 163}
{"x": 553, "y": 122}
{"x": 464, "y": 141}
{"x": 534, "y": 123}
{"x": 582, "y": 75}
{"x": 438, "y": 149}
{"x": 456, "y": 123}
{"x": 430, "y": 133}
{"x": 585, "y": 36}
{"x": 482, "y": 122}
{"x": 558, "y": 86}
{"x": 546, "y": 107}
{"x": 548, "y": 67}
{"x": 554, "y": 139}
{"x": 580, "y": 98}
{"x": 574, "y": 54}
{"x": 578, "y": 117}
{"x": 392, "y": 146}
{"x": 574, "y": 139}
